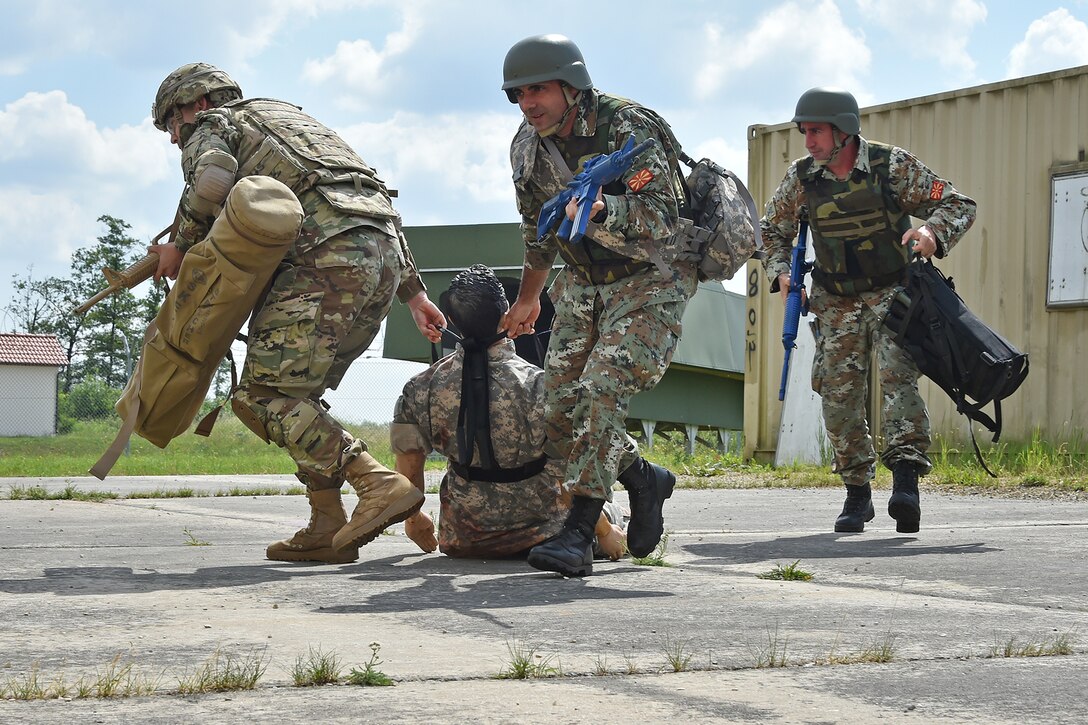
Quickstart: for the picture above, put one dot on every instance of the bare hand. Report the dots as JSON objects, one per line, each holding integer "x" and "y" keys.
{"x": 169, "y": 260}
{"x": 921, "y": 240}
{"x": 420, "y": 528}
{"x": 428, "y": 318}
{"x": 612, "y": 541}
{"x": 572, "y": 207}
{"x": 784, "y": 290}
{"x": 520, "y": 318}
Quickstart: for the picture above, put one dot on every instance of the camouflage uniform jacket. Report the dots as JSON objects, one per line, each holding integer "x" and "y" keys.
{"x": 482, "y": 518}
{"x": 920, "y": 192}
{"x": 638, "y": 224}
{"x": 335, "y": 200}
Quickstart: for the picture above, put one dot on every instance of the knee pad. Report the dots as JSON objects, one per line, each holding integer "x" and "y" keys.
{"x": 250, "y": 411}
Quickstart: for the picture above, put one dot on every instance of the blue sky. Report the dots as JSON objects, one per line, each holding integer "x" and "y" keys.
{"x": 414, "y": 86}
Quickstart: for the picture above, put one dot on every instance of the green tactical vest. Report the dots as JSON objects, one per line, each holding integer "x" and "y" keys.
{"x": 857, "y": 226}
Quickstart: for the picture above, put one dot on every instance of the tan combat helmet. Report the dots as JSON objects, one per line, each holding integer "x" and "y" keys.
{"x": 189, "y": 83}
{"x": 541, "y": 58}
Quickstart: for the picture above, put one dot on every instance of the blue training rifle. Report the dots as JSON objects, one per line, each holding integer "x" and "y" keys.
{"x": 796, "y": 301}
{"x": 597, "y": 172}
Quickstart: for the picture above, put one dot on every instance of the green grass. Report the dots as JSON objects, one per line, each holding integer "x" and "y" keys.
{"x": 224, "y": 673}
{"x": 526, "y": 663}
{"x": 231, "y": 449}
{"x": 1026, "y": 467}
{"x": 316, "y": 668}
{"x": 370, "y": 675}
{"x": 789, "y": 572}
{"x": 1047, "y": 647}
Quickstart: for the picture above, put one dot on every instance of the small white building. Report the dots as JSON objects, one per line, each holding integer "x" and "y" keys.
{"x": 28, "y": 384}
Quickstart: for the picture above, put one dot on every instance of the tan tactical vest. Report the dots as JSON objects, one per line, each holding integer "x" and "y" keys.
{"x": 857, "y": 226}
{"x": 280, "y": 141}
{"x": 220, "y": 282}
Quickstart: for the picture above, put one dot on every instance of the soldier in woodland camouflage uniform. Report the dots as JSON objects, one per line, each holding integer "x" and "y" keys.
{"x": 618, "y": 300}
{"x": 326, "y": 300}
{"x": 500, "y": 495}
{"x": 859, "y": 197}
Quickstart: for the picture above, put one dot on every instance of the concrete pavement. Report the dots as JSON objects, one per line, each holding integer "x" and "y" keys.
{"x": 167, "y": 582}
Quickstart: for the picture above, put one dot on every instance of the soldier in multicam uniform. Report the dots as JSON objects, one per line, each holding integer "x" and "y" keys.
{"x": 859, "y": 196}
{"x": 326, "y": 300}
{"x": 618, "y": 300}
{"x": 480, "y": 407}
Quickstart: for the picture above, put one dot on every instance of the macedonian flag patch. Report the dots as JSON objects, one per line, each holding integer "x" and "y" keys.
{"x": 936, "y": 191}
{"x": 639, "y": 180}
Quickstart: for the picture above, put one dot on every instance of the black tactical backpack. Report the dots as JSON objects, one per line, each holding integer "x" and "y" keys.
{"x": 952, "y": 347}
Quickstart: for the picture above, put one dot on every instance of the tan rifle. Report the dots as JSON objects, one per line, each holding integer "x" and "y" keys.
{"x": 130, "y": 276}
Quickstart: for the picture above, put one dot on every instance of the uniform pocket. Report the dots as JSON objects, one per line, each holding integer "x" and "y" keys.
{"x": 281, "y": 340}
{"x": 203, "y": 302}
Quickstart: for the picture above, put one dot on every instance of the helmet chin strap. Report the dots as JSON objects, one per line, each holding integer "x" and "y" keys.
{"x": 838, "y": 146}
{"x": 573, "y": 96}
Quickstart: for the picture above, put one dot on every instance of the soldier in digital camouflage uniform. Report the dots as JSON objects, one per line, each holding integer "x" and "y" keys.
{"x": 860, "y": 196}
{"x": 326, "y": 300}
{"x": 618, "y": 300}
{"x": 500, "y": 495}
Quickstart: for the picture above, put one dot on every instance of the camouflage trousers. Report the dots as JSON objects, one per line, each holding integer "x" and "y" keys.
{"x": 608, "y": 342}
{"x": 848, "y": 335}
{"x": 323, "y": 310}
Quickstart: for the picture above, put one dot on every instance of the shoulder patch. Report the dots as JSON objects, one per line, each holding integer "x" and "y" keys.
{"x": 640, "y": 180}
{"x": 936, "y": 191}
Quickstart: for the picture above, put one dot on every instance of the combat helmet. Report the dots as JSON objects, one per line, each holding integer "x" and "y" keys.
{"x": 541, "y": 58}
{"x": 189, "y": 83}
{"x": 829, "y": 105}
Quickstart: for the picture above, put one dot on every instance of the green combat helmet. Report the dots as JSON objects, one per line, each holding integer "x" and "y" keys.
{"x": 541, "y": 58}
{"x": 189, "y": 83}
{"x": 829, "y": 105}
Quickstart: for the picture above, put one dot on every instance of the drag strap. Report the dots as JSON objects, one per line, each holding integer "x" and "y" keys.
{"x": 106, "y": 463}
{"x": 474, "y": 415}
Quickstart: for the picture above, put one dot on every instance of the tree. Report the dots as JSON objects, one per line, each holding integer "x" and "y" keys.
{"x": 115, "y": 320}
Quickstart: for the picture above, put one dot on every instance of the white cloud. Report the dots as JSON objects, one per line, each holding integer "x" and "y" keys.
{"x": 1056, "y": 40}
{"x": 13, "y": 66}
{"x": 361, "y": 68}
{"x": 460, "y": 154}
{"x": 937, "y": 30}
{"x": 810, "y": 38}
{"x": 44, "y": 126}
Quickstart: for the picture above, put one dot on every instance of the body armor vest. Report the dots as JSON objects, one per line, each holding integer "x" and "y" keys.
{"x": 596, "y": 261}
{"x": 280, "y": 141}
{"x": 857, "y": 226}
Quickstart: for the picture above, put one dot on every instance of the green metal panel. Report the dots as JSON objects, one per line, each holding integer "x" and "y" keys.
{"x": 692, "y": 397}
{"x": 704, "y": 384}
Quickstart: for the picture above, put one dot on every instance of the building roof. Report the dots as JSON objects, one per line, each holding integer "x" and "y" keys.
{"x": 23, "y": 349}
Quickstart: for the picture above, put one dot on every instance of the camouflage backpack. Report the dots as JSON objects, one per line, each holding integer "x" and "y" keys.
{"x": 725, "y": 231}
{"x": 720, "y": 225}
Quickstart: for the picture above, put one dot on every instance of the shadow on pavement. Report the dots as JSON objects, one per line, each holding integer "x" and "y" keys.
{"x": 825, "y": 546}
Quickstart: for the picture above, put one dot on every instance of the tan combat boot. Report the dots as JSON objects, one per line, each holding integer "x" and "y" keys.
{"x": 385, "y": 498}
{"x": 315, "y": 542}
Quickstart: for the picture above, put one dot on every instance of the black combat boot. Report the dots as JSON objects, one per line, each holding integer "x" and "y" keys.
{"x": 570, "y": 552}
{"x": 857, "y": 510}
{"x": 648, "y": 485}
{"x": 904, "y": 506}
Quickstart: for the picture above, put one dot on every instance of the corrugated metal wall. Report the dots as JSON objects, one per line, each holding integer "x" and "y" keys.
{"x": 1000, "y": 144}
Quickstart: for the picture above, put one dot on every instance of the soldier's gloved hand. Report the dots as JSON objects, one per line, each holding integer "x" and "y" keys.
{"x": 420, "y": 528}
